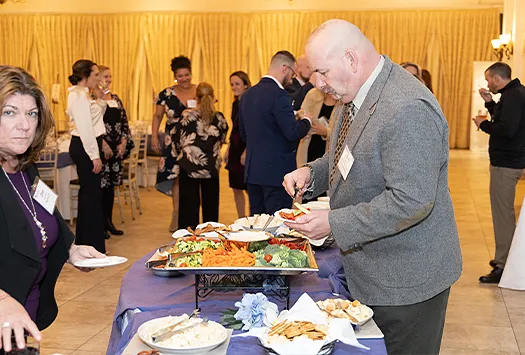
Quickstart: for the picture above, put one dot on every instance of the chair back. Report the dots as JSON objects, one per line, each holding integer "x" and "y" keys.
{"x": 141, "y": 141}
{"x": 133, "y": 161}
{"x": 47, "y": 163}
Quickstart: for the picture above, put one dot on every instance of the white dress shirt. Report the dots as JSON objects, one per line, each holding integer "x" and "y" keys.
{"x": 363, "y": 91}
{"x": 87, "y": 118}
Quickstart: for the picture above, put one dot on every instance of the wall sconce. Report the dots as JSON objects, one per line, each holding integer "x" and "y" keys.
{"x": 502, "y": 46}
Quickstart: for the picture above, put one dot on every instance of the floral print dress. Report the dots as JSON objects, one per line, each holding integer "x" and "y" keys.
{"x": 168, "y": 167}
{"x": 117, "y": 129}
{"x": 199, "y": 145}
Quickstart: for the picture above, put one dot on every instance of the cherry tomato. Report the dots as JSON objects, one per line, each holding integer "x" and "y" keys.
{"x": 183, "y": 265}
{"x": 200, "y": 239}
{"x": 268, "y": 258}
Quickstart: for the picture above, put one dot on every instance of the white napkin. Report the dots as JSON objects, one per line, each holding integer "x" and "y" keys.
{"x": 285, "y": 230}
{"x": 305, "y": 309}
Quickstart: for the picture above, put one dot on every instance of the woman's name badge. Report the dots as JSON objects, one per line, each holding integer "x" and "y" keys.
{"x": 44, "y": 195}
{"x": 112, "y": 103}
{"x": 345, "y": 162}
{"x": 192, "y": 103}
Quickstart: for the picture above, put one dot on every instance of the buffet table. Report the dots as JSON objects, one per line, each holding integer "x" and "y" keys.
{"x": 144, "y": 296}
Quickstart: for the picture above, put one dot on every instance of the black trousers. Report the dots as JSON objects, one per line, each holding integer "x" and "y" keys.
{"x": 108, "y": 200}
{"x": 191, "y": 192}
{"x": 90, "y": 220}
{"x": 267, "y": 199}
{"x": 415, "y": 329}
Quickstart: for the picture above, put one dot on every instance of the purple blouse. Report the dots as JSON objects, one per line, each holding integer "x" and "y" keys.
{"x": 50, "y": 224}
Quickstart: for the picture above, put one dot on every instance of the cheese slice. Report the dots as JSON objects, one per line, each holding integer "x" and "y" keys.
{"x": 301, "y": 209}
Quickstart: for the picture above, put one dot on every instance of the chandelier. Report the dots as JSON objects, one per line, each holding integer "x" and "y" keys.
{"x": 502, "y": 46}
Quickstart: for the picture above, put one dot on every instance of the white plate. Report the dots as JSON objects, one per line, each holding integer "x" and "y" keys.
{"x": 369, "y": 315}
{"x": 248, "y": 236}
{"x": 324, "y": 199}
{"x": 104, "y": 262}
{"x": 261, "y": 221}
{"x": 145, "y": 330}
{"x": 286, "y": 210}
{"x": 183, "y": 232}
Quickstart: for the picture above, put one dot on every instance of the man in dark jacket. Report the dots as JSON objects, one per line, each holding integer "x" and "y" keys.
{"x": 507, "y": 156}
{"x": 271, "y": 132}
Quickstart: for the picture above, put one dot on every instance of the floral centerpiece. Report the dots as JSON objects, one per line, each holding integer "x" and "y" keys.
{"x": 254, "y": 311}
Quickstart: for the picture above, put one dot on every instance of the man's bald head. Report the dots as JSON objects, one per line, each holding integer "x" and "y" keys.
{"x": 303, "y": 68}
{"x": 342, "y": 57}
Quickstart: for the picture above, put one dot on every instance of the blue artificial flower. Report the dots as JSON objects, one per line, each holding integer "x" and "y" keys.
{"x": 256, "y": 311}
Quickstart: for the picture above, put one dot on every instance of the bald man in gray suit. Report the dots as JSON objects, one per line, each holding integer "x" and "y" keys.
{"x": 387, "y": 177}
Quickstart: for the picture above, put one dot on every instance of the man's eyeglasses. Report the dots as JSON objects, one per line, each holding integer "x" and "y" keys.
{"x": 293, "y": 71}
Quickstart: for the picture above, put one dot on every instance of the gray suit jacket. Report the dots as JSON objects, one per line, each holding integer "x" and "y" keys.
{"x": 396, "y": 193}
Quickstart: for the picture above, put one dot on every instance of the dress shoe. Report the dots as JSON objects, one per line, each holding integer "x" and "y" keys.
{"x": 493, "y": 263}
{"x": 106, "y": 235}
{"x": 493, "y": 278}
{"x": 110, "y": 227}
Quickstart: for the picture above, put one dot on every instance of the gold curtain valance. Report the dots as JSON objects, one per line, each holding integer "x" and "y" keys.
{"x": 139, "y": 47}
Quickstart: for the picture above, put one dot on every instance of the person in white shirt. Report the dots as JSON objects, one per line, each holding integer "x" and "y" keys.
{"x": 86, "y": 111}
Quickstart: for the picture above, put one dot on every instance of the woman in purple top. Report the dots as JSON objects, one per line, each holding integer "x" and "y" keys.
{"x": 34, "y": 244}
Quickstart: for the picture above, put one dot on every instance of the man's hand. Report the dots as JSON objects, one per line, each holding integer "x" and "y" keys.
{"x": 319, "y": 128}
{"x": 300, "y": 178}
{"x": 478, "y": 120}
{"x": 314, "y": 225}
{"x": 83, "y": 252}
{"x": 485, "y": 94}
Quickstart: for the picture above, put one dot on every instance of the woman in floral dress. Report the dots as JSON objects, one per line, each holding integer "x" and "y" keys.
{"x": 199, "y": 140}
{"x": 172, "y": 102}
{"x": 116, "y": 138}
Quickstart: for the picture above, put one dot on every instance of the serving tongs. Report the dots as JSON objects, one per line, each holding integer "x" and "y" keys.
{"x": 171, "y": 257}
{"x": 168, "y": 332}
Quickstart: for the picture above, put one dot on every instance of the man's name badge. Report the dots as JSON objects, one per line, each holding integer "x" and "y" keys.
{"x": 345, "y": 162}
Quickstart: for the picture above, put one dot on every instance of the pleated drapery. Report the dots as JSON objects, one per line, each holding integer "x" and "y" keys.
{"x": 139, "y": 48}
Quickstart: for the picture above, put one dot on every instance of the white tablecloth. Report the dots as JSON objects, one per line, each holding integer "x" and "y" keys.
{"x": 514, "y": 273}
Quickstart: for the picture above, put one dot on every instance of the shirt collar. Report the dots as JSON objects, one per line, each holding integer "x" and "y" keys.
{"x": 300, "y": 81}
{"x": 276, "y": 81}
{"x": 78, "y": 88}
{"x": 363, "y": 91}
{"x": 510, "y": 84}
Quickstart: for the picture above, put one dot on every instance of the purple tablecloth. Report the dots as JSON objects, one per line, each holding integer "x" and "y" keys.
{"x": 159, "y": 296}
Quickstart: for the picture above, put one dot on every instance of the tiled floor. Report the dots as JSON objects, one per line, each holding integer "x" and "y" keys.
{"x": 481, "y": 319}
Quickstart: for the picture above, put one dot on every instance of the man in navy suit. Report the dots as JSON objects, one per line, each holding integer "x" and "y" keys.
{"x": 271, "y": 132}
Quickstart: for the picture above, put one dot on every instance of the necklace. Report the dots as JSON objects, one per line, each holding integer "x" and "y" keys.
{"x": 31, "y": 212}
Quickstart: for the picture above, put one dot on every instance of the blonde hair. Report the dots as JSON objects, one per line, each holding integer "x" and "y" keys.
{"x": 206, "y": 100}
{"x": 14, "y": 80}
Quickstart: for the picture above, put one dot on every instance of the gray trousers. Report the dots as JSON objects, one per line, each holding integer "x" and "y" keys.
{"x": 415, "y": 329}
{"x": 503, "y": 183}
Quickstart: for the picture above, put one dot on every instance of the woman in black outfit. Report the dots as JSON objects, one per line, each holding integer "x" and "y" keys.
{"x": 235, "y": 155}
{"x": 117, "y": 136}
{"x": 86, "y": 108}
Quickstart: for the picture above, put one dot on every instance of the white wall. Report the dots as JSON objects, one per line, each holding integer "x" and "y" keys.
{"x": 113, "y": 6}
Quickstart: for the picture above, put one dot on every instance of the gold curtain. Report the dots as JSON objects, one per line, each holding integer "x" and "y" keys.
{"x": 116, "y": 41}
{"x": 463, "y": 37}
{"x": 16, "y": 39}
{"x": 139, "y": 48}
{"x": 61, "y": 40}
{"x": 166, "y": 36}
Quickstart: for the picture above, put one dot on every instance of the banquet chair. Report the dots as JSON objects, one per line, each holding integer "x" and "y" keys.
{"x": 47, "y": 165}
{"x": 142, "y": 143}
{"x": 129, "y": 184}
{"x": 74, "y": 188}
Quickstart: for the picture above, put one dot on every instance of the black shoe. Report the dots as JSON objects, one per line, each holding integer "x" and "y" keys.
{"x": 493, "y": 263}
{"x": 110, "y": 227}
{"x": 106, "y": 235}
{"x": 493, "y": 278}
